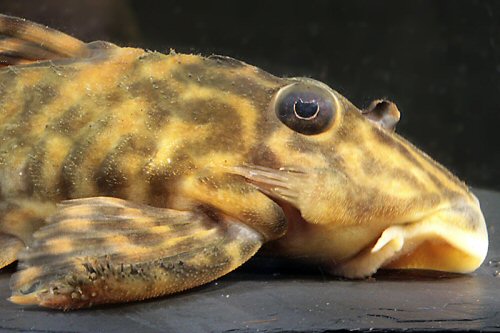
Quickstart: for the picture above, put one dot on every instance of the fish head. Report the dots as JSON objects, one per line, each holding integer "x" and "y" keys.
{"x": 358, "y": 196}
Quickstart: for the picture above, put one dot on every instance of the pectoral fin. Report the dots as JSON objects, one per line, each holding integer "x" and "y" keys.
{"x": 282, "y": 184}
{"x": 107, "y": 250}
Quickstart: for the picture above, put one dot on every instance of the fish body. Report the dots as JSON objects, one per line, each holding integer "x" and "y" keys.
{"x": 127, "y": 174}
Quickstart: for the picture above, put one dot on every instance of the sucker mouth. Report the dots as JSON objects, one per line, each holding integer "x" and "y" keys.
{"x": 452, "y": 239}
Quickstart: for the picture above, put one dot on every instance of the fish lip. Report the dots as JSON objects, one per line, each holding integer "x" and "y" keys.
{"x": 452, "y": 239}
{"x": 461, "y": 225}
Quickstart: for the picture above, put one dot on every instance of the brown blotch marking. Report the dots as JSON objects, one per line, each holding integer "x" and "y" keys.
{"x": 161, "y": 180}
{"x": 113, "y": 98}
{"x": 82, "y": 114}
{"x": 465, "y": 214}
{"x": 446, "y": 173}
{"x": 370, "y": 164}
{"x": 402, "y": 174}
{"x": 159, "y": 184}
{"x": 260, "y": 96}
{"x": 242, "y": 81}
{"x": 69, "y": 168}
{"x": 205, "y": 111}
{"x": 182, "y": 245}
{"x": 50, "y": 255}
{"x": 268, "y": 124}
{"x": 373, "y": 167}
{"x": 112, "y": 176}
{"x": 32, "y": 172}
{"x": 214, "y": 75}
{"x": 36, "y": 98}
{"x": 300, "y": 143}
{"x": 385, "y": 139}
{"x": 142, "y": 144}
{"x": 145, "y": 238}
{"x": 349, "y": 131}
{"x": 262, "y": 155}
{"x": 71, "y": 121}
{"x": 110, "y": 179}
{"x": 11, "y": 94}
{"x": 71, "y": 165}
{"x": 161, "y": 97}
{"x": 399, "y": 174}
{"x": 390, "y": 205}
{"x": 225, "y": 134}
{"x": 30, "y": 121}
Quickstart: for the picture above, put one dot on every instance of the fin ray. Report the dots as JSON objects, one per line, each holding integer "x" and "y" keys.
{"x": 25, "y": 41}
{"x": 84, "y": 257}
{"x": 279, "y": 184}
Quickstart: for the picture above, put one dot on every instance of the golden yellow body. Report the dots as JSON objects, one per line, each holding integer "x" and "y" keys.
{"x": 127, "y": 174}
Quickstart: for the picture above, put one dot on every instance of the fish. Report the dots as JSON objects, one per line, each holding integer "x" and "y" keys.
{"x": 128, "y": 174}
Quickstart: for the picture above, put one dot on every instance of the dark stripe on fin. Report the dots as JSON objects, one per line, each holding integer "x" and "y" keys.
{"x": 8, "y": 60}
{"x": 19, "y": 48}
{"x": 28, "y": 41}
{"x": 107, "y": 250}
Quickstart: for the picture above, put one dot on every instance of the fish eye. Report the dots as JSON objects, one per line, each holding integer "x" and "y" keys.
{"x": 306, "y": 108}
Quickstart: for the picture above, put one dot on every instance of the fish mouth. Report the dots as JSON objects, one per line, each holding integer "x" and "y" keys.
{"x": 452, "y": 239}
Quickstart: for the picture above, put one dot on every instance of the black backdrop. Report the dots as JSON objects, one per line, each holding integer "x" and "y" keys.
{"x": 438, "y": 60}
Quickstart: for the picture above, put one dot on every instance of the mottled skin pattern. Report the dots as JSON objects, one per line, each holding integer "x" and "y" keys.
{"x": 181, "y": 170}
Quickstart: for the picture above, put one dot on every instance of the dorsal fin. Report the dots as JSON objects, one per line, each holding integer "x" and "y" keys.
{"x": 23, "y": 41}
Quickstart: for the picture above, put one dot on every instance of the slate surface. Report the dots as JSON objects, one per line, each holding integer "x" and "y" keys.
{"x": 273, "y": 296}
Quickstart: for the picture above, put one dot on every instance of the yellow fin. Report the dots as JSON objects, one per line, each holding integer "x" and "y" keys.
{"x": 280, "y": 184}
{"x": 107, "y": 250}
{"x": 25, "y": 41}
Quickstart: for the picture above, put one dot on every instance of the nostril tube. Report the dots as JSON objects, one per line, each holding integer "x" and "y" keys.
{"x": 384, "y": 113}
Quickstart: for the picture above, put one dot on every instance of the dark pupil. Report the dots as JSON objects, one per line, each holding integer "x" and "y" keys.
{"x": 305, "y": 109}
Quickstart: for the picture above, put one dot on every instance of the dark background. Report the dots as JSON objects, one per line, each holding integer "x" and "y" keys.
{"x": 438, "y": 60}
